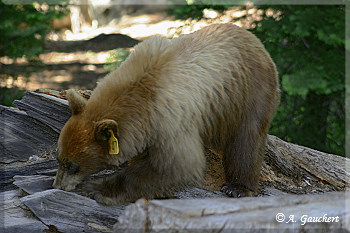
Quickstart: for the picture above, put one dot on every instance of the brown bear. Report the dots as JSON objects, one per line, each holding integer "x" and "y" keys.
{"x": 216, "y": 87}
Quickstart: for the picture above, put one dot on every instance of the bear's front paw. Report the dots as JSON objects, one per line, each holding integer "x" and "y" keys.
{"x": 105, "y": 200}
{"x": 91, "y": 188}
{"x": 236, "y": 190}
{"x": 97, "y": 190}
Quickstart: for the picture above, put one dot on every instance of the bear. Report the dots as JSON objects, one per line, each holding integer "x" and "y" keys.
{"x": 169, "y": 100}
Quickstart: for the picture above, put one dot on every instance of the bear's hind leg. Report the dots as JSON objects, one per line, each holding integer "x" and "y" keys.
{"x": 243, "y": 155}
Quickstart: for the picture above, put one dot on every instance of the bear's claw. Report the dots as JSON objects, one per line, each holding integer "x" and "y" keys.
{"x": 235, "y": 190}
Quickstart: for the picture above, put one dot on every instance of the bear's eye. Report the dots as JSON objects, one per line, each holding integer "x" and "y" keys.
{"x": 72, "y": 168}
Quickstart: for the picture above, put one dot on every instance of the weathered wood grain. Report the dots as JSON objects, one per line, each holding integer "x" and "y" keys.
{"x": 33, "y": 184}
{"x": 193, "y": 193}
{"x": 22, "y": 136}
{"x": 299, "y": 170}
{"x": 15, "y": 217}
{"x": 327, "y": 168}
{"x": 238, "y": 215}
{"x": 70, "y": 212}
{"x": 8, "y": 171}
{"x": 50, "y": 110}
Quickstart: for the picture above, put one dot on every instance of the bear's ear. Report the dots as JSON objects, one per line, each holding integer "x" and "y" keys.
{"x": 104, "y": 130}
{"x": 76, "y": 102}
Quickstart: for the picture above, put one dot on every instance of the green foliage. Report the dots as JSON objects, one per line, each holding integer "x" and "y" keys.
{"x": 8, "y": 95}
{"x": 115, "y": 59}
{"x": 307, "y": 44}
{"x": 23, "y": 28}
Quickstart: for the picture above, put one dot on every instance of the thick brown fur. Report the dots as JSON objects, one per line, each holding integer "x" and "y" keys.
{"x": 216, "y": 87}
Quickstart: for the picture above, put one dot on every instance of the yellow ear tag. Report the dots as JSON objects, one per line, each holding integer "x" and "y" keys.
{"x": 113, "y": 144}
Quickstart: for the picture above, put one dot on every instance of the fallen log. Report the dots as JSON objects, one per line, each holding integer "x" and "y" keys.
{"x": 300, "y": 170}
{"x": 287, "y": 213}
{"x": 102, "y": 42}
{"x": 287, "y": 169}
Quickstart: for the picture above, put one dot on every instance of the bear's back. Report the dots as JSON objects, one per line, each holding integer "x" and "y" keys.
{"x": 205, "y": 81}
{"x": 214, "y": 77}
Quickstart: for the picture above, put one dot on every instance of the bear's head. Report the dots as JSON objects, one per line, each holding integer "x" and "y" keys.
{"x": 84, "y": 145}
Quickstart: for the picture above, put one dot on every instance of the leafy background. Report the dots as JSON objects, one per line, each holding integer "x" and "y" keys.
{"x": 307, "y": 44}
{"x": 22, "y": 34}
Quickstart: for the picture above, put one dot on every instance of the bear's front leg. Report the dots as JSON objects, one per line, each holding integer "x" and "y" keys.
{"x": 159, "y": 173}
{"x": 133, "y": 182}
{"x": 108, "y": 191}
{"x": 126, "y": 186}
